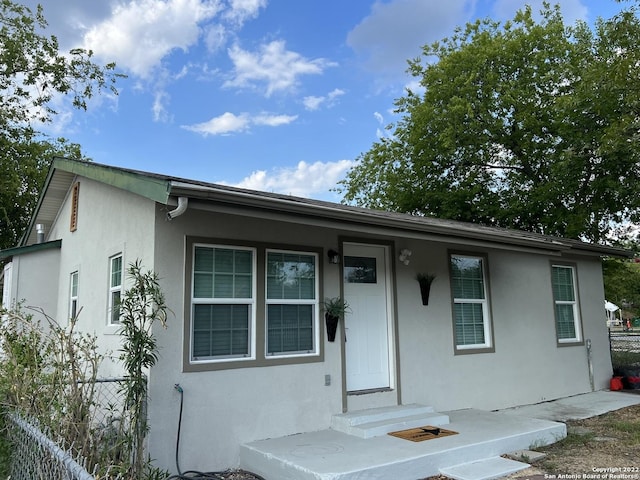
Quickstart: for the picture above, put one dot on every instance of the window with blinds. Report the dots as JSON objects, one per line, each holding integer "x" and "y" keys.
{"x": 223, "y": 302}
{"x": 115, "y": 289}
{"x": 291, "y": 302}
{"x": 470, "y": 302}
{"x": 565, "y": 303}
{"x": 73, "y": 295}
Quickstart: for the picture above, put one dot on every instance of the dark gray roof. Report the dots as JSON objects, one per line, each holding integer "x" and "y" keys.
{"x": 164, "y": 189}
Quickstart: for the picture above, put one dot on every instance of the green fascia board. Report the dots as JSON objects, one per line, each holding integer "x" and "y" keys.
{"x": 153, "y": 187}
{"x": 10, "y": 252}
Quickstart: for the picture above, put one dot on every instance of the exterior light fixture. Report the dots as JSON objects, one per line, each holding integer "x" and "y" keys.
{"x": 405, "y": 253}
{"x": 334, "y": 257}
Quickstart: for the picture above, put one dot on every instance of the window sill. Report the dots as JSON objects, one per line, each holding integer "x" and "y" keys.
{"x": 111, "y": 330}
{"x": 204, "y": 366}
{"x": 570, "y": 343}
{"x": 471, "y": 351}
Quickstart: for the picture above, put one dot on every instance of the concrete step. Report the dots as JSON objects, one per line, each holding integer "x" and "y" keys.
{"x": 380, "y": 421}
{"x": 332, "y": 455}
{"x": 486, "y": 469}
{"x": 382, "y": 427}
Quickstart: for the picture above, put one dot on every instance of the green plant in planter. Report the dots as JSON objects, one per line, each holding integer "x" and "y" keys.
{"x": 334, "y": 309}
{"x": 425, "y": 280}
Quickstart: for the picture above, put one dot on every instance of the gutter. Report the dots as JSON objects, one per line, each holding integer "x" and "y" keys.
{"x": 183, "y": 203}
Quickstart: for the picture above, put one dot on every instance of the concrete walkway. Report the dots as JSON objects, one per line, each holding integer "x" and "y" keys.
{"x": 577, "y": 407}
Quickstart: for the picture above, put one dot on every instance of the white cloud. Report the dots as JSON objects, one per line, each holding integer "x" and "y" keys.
{"x": 313, "y": 103}
{"x": 243, "y": 10}
{"x": 335, "y": 93}
{"x": 229, "y": 123}
{"x": 160, "y": 114}
{"x": 272, "y": 65}
{"x": 273, "y": 120}
{"x": 138, "y": 35}
{"x": 311, "y": 180}
{"x": 395, "y": 31}
{"x": 223, "y": 125}
{"x": 215, "y": 37}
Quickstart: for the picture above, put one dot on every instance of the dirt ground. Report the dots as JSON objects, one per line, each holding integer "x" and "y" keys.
{"x": 606, "y": 447}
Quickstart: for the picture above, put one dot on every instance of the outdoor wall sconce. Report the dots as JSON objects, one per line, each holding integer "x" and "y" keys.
{"x": 334, "y": 257}
{"x": 405, "y": 253}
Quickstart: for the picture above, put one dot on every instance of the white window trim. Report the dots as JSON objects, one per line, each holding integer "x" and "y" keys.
{"x": 486, "y": 313}
{"x": 226, "y": 301}
{"x": 485, "y": 321}
{"x": 577, "y": 322}
{"x": 73, "y": 298}
{"x": 315, "y": 302}
{"x": 7, "y": 285}
{"x": 117, "y": 288}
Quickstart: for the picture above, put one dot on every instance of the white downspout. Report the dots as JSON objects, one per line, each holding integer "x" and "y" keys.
{"x": 183, "y": 203}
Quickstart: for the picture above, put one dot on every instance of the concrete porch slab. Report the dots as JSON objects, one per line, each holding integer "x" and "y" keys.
{"x": 332, "y": 455}
{"x": 488, "y": 469}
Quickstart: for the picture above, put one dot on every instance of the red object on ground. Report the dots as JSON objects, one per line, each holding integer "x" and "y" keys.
{"x": 615, "y": 383}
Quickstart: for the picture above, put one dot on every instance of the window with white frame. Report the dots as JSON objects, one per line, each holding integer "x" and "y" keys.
{"x": 471, "y": 312}
{"x": 115, "y": 289}
{"x": 223, "y": 302}
{"x": 73, "y": 295}
{"x": 566, "y": 304}
{"x": 291, "y": 303}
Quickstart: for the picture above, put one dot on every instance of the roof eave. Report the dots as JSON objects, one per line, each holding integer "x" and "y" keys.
{"x": 153, "y": 187}
{"x": 340, "y": 213}
{"x": 10, "y": 252}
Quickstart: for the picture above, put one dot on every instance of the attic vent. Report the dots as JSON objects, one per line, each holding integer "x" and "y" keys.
{"x": 73, "y": 224}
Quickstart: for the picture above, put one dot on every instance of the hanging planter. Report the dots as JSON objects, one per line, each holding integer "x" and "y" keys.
{"x": 334, "y": 309}
{"x": 425, "y": 280}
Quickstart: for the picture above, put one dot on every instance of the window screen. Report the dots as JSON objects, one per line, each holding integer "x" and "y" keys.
{"x": 223, "y": 298}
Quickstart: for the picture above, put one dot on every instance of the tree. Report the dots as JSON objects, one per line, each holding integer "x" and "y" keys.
{"x": 24, "y": 161}
{"x": 32, "y": 73}
{"x": 529, "y": 125}
{"x": 142, "y": 306}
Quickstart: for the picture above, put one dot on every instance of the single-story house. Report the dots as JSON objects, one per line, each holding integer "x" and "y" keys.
{"x": 512, "y": 318}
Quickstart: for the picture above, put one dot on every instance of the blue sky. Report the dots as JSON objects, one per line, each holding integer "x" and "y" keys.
{"x": 273, "y": 95}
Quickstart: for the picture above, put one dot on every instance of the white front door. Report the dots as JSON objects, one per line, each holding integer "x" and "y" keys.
{"x": 367, "y": 325}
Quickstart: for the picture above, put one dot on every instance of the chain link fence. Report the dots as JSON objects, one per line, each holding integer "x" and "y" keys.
{"x": 625, "y": 358}
{"x": 36, "y": 453}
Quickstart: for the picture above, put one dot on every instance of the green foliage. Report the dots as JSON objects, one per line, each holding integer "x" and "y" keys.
{"x": 32, "y": 73}
{"x": 32, "y": 70}
{"x": 622, "y": 359}
{"x": 143, "y": 305}
{"x": 335, "y": 307}
{"x": 48, "y": 373}
{"x": 24, "y": 162}
{"x": 622, "y": 284}
{"x": 529, "y": 125}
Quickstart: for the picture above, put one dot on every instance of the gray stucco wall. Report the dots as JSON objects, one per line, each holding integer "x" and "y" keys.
{"x": 110, "y": 221}
{"x": 36, "y": 292}
{"x": 223, "y": 409}
{"x": 527, "y": 366}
